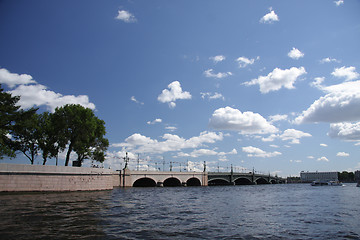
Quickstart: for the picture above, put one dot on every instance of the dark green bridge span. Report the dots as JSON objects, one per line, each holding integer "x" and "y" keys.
{"x": 234, "y": 178}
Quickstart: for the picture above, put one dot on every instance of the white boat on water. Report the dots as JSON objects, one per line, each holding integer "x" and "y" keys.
{"x": 326, "y": 183}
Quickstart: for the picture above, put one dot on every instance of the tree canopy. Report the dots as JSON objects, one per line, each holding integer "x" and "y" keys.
{"x": 82, "y": 131}
{"x": 72, "y": 127}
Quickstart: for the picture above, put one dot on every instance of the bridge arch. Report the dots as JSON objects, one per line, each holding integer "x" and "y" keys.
{"x": 261, "y": 181}
{"x": 273, "y": 181}
{"x": 144, "y": 182}
{"x": 243, "y": 181}
{"x": 218, "y": 182}
{"x": 172, "y": 182}
{"x": 193, "y": 182}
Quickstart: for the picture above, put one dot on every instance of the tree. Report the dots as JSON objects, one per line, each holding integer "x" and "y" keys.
{"x": 49, "y": 137}
{"x": 10, "y": 116}
{"x": 81, "y": 131}
{"x": 26, "y": 134}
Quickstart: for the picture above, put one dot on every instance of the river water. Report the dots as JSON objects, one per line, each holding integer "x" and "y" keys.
{"x": 287, "y": 211}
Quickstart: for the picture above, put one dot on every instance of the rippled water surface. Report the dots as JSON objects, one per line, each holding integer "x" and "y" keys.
{"x": 293, "y": 211}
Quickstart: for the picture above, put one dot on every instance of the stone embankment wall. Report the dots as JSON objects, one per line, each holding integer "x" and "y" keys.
{"x": 25, "y": 178}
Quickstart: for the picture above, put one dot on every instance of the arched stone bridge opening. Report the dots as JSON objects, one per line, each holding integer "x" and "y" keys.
{"x": 226, "y": 178}
{"x": 130, "y": 178}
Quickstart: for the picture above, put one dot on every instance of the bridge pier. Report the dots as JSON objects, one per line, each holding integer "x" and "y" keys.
{"x": 183, "y": 184}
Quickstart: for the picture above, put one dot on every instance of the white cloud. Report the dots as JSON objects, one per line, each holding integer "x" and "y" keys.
{"x": 171, "y": 128}
{"x": 141, "y": 144}
{"x": 173, "y": 93}
{"x": 218, "y": 58}
{"x": 208, "y": 152}
{"x": 13, "y": 79}
{"x": 295, "y": 54}
{"x": 135, "y": 100}
{"x": 310, "y": 157}
{"x": 291, "y": 135}
{"x": 157, "y": 120}
{"x": 246, "y": 123}
{"x": 296, "y": 161}
{"x": 349, "y": 73}
{"x": 277, "y": 79}
{"x": 345, "y": 131}
{"x": 211, "y": 96}
{"x": 317, "y": 83}
{"x": 340, "y": 104}
{"x": 210, "y": 73}
{"x": 339, "y": 2}
{"x": 322, "y": 159}
{"x": 125, "y": 16}
{"x": 323, "y": 145}
{"x": 328, "y": 60}
{"x": 38, "y": 95}
{"x": 278, "y": 117}
{"x": 257, "y": 152}
{"x": 270, "y": 17}
{"x": 342, "y": 154}
{"x": 243, "y": 61}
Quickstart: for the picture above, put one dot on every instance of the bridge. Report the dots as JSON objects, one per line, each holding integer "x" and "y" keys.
{"x": 235, "y": 178}
{"x": 129, "y": 178}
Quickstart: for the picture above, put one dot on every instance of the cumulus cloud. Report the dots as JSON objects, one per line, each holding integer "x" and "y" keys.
{"x": 328, "y": 60}
{"x": 245, "y": 123}
{"x": 212, "y": 96}
{"x": 218, "y": 58}
{"x": 207, "y": 152}
{"x": 323, "y": 145}
{"x": 125, "y": 16}
{"x": 157, "y": 120}
{"x": 141, "y": 144}
{"x": 291, "y": 135}
{"x": 349, "y": 73}
{"x": 257, "y": 152}
{"x": 323, "y": 159}
{"x": 345, "y": 131}
{"x": 173, "y": 93}
{"x": 342, "y": 154}
{"x": 277, "y": 79}
{"x": 39, "y": 95}
{"x": 13, "y": 79}
{"x": 135, "y": 100}
{"x": 295, "y": 54}
{"x": 317, "y": 83}
{"x": 210, "y": 73}
{"x": 171, "y": 128}
{"x": 278, "y": 117}
{"x": 269, "y": 17}
{"x": 339, "y": 2}
{"x": 243, "y": 61}
{"x": 340, "y": 104}
{"x": 33, "y": 94}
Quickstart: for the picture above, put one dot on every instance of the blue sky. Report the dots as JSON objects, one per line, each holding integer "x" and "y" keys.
{"x": 270, "y": 85}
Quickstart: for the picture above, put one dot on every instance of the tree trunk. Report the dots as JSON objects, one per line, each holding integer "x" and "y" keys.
{"x": 68, "y": 154}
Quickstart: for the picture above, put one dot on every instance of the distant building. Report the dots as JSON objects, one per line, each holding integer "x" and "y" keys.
{"x": 318, "y": 176}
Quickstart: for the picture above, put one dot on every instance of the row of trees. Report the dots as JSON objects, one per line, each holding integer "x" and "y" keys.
{"x": 70, "y": 128}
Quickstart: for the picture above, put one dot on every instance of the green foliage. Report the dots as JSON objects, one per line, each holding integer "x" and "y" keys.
{"x": 26, "y": 133}
{"x": 10, "y": 118}
{"x": 8, "y": 115}
{"x": 346, "y": 176}
{"x": 71, "y": 126}
{"x": 82, "y": 131}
